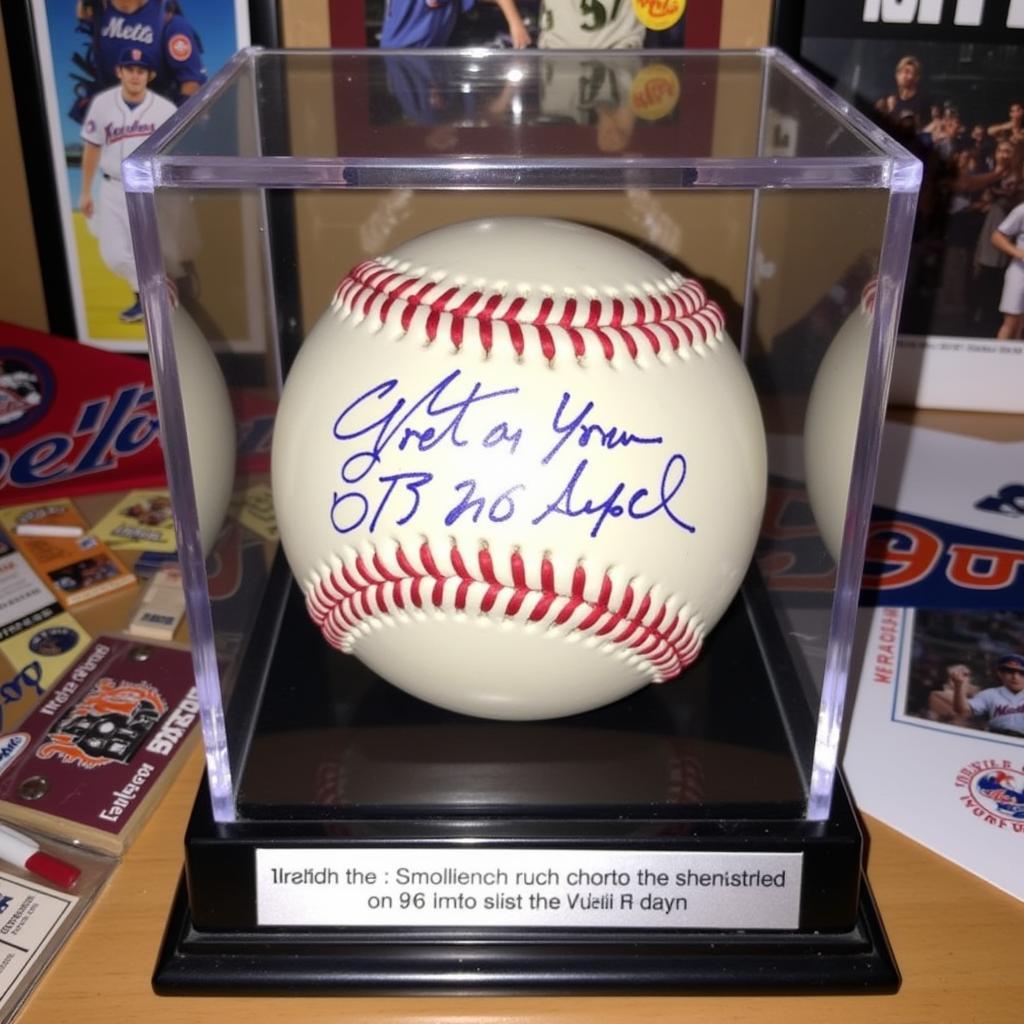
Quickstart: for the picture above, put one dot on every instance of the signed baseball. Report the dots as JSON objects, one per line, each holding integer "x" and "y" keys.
{"x": 519, "y": 468}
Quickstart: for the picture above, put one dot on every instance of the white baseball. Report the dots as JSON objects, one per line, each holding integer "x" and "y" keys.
{"x": 519, "y": 468}
{"x": 832, "y": 419}
{"x": 209, "y": 425}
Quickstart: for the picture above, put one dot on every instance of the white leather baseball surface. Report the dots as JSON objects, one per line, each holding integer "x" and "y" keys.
{"x": 519, "y": 468}
{"x": 209, "y": 424}
{"x": 832, "y": 419}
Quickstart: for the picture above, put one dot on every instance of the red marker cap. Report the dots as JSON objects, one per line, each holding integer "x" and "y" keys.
{"x": 59, "y": 872}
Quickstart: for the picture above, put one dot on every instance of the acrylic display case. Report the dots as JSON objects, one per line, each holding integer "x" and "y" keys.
{"x": 695, "y": 835}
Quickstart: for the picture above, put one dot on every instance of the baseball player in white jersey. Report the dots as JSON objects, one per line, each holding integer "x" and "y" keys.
{"x": 117, "y": 122}
{"x": 1009, "y": 238}
{"x": 1002, "y": 706}
{"x": 590, "y": 25}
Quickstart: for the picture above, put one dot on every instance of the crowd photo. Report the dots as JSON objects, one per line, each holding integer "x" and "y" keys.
{"x": 971, "y": 216}
{"x": 959, "y": 108}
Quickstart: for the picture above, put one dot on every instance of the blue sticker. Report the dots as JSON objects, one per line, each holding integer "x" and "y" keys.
{"x": 53, "y": 641}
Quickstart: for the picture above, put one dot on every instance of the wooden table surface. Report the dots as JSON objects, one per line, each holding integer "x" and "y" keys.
{"x": 958, "y": 942}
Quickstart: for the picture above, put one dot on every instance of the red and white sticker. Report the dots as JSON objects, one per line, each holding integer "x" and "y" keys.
{"x": 180, "y": 47}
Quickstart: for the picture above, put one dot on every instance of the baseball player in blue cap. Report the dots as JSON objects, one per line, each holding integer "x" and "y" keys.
{"x": 157, "y": 27}
{"x": 417, "y": 23}
{"x": 1001, "y": 706}
{"x": 117, "y": 121}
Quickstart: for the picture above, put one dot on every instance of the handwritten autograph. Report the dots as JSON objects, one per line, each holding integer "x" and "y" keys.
{"x": 458, "y": 413}
{"x": 28, "y": 678}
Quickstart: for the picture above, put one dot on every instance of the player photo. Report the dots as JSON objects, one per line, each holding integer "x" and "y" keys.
{"x": 965, "y": 671}
{"x": 86, "y": 573}
{"x": 114, "y": 71}
{"x": 516, "y": 24}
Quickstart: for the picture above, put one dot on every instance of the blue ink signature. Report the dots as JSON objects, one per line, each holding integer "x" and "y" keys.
{"x": 431, "y": 420}
{"x": 29, "y": 678}
{"x": 606, "y": 437}
{"x": 501, "y": 510}
{"x": 451, "y": 413}
{"x": 569, "y": 503}
{"x": 349, "y": 510}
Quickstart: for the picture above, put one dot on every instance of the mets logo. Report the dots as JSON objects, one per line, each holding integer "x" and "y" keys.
{"x": 180, "y": 47}
{"x": 26, "y": 390}
{"x": 107, "y": 726}
{"x": 994, "y": 792}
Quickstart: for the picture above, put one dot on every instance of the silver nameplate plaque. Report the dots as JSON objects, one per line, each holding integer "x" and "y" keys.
{"x": 476, "y": 888}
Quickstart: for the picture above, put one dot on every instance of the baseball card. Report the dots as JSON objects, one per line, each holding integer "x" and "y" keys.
{"x": 112, "y": 74}
{"x": 24, "y": 597}
{"x": 56, "y": 542}
{"x": 37, "y": 657}
{"x": 38, "y": 640}
{"x": 161, "y": 607}
{"x": 141, "y": 521}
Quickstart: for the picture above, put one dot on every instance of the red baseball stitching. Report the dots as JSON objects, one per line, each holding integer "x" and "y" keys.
{"x": 868, "y": 297}
{"x": 677, "y": 317}
{"x": 365, "y": 588}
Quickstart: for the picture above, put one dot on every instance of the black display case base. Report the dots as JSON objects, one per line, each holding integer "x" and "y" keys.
{"x": 237, "y": 959}
{"x": 314, "y": 963}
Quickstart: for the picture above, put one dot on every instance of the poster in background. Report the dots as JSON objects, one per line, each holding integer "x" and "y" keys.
{"x": 585, "y": 24}
{"x": 946, "y": 79}
{"x": 99, "y": 297}
{"x": 576, "y": 93}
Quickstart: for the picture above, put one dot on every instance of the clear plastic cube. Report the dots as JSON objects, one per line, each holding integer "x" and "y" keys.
{"x": 737, "y": 168}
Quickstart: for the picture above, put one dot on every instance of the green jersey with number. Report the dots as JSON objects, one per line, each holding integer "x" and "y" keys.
{"x": 572, "y": 89}
{"x": 590, "y": 25}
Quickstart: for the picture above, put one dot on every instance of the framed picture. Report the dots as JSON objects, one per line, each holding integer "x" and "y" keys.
{"x": 563, "y": 24}
{"x": 574, "y": 93}
{"x": 71, "y": 63}
{"x": 945, "y": 79}
{"x": 965, "y": 649}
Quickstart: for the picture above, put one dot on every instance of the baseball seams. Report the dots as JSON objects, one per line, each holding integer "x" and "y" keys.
{"x": 659, "y": 636}
{"x": 671, "y": 315}
{"x": 868, "y": 297}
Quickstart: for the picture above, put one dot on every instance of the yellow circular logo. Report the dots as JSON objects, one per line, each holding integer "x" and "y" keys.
{"x": 659, "y": 14}
{"x": 654, "y": 92}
